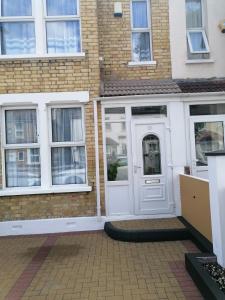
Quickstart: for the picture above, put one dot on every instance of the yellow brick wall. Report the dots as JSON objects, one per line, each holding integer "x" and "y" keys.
{"x": 58, "y": 75}
{"x": 115, "y": 42}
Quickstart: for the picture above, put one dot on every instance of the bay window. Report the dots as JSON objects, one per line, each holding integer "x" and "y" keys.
{"x": 197, "y": 42}
{"x": 141, "y": 31}
{"x": 37, "y": 159}
{"x": 39, "y": 27}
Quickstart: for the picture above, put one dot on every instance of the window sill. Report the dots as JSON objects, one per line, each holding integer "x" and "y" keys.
{"x": 44, "y": 56}
{"x": 142, "y": 63}
{"x": 199, "y": 61}
{"x": 39, "y": 191}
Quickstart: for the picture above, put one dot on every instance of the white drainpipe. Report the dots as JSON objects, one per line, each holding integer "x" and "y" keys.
{"x": 98, "y": 199}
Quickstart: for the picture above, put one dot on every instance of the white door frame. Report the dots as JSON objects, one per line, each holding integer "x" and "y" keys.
{"x": 129, "y": 184}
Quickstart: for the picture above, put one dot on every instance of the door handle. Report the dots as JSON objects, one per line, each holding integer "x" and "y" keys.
{"x": 136, "y": 168}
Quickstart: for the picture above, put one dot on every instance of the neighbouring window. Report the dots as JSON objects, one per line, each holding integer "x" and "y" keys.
{"x": 68, "y": 154}
{"x": 116, "y": 144}
{"x": 209, "y": 136}
{"x": 19, "y": 171}
{"x": 29, "y": 27}
{"x": 197, "y": 42}
{"x": 151, "y": 155}
{"x": 62, "y": 26}
{"x": 141, "y": 30}
{"x": 17, "y": 27}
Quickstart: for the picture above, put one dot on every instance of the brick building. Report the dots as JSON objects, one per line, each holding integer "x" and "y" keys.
{"x": 98, "y": 118}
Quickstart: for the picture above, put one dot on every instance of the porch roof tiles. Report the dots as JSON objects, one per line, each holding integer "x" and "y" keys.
{"x": 169, "y": 86}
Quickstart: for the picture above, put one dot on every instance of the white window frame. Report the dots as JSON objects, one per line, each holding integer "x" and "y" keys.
{"x": 42, "y": 102}
{"x": 39, "y": 17}
{"x": 67, "y": 144}
{"x": 147, "y": 29}
{"x": 204, "y": 38}
{"x": 58, "y": 19}
{"x": 6, "y": 146}
{"x": 198, "y": 29}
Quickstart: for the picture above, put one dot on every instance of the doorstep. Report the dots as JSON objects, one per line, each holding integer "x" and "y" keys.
{"x": 148, "y": 230}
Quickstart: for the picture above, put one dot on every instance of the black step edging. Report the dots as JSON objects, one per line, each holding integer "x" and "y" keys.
{"x": 197, "y": 238}
{"x": 207, "y": 286}
{"x": 146, "y": 235}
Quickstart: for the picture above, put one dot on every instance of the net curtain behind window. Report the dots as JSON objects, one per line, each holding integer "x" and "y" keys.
{"x": 140, "y": 14}
{"x": 12, "y": 8}
{"x": 194, "y": 14}
{"x": 61, "y": 7}
{"x": 67, "y": 125}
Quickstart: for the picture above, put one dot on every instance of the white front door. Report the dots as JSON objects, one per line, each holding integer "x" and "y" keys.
{"x": 150, "y": 168}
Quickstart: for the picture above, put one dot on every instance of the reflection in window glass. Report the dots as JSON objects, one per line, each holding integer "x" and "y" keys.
{"x": 116, "y": 151}
{"x": 209, "y": 136}
{"x": 151, "y": 155}
{"x": 67, "y": 125}
{"x": 20, "y": 172}
{"x": 68, "y": 165}
{"x": 21, "y": 126}
{"x": 141, "y": 46}
{"x": 115, "y": 113}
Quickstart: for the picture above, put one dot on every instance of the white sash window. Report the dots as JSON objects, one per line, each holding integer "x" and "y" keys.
{"x": 141, "y": 31}
{"x": 36, "y": 28}
{"x": 43, "y": 143}
{"x": 196, "y": 35}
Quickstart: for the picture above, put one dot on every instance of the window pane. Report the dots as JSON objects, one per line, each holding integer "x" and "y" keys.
{"x": 197, "y": 41}
{"x": 209, "y": 136}
{"x": 67, "y": 125}
{"x": 18, "y": 38}
{"x": 33, "y": 156}
{"x": 68, "y": 165}
{"x": 115, "y": 113}
{"x": 63, "y": 37}
{"x": 193, "y": 13}
{"x": 20, "y": 172}
{"x": 21, "y": 126}
{"x": 140, "y": 14}
{"x": 141, "y": 46}
{"x": 160, "y": 111}
{"x": 151, "y": 155}
{"x": 61, "y": 7}
{"x": 207, "y": 109}
{"x": 16, "y": 8}
{"x": 116, "y": 152}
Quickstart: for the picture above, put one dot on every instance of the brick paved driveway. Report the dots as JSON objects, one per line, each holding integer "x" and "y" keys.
{"x": 93, "y": 266}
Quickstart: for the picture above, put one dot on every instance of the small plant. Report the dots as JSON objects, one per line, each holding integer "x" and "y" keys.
{"x": 112, "y": 171}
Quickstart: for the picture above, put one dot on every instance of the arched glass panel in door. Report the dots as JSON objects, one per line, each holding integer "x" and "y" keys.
{"x": 151, "y": 155}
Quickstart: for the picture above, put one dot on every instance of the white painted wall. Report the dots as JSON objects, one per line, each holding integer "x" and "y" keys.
{"x": 217, "y": 205}
{"x": 215, "y": 12}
